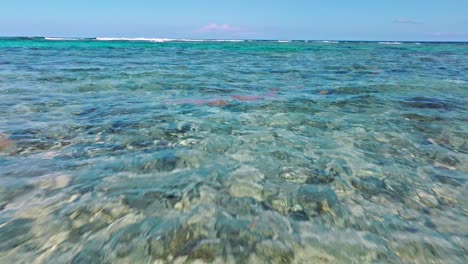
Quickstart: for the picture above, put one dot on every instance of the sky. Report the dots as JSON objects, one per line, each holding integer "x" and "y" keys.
{"x": 414, "y": 20}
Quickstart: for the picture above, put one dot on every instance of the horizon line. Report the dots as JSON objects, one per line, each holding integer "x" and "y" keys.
{"x": 71, "y": 38}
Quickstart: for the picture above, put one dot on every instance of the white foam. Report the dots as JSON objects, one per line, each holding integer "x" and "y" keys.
{"x": 283, "y": 41}
{"x": 209, "y": 40}
{"x": 53, "y": 38}
{"x": 229, "y": 40}
{"x": 169, "y": 40}
{"x": 191, "y": 40}
{"x": 329, "y": 41}
{"x": 390, "y": 43}
{"x": 136, "y": 39}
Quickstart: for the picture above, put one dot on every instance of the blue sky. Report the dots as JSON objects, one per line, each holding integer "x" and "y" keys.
{"x": 234, "y": 19}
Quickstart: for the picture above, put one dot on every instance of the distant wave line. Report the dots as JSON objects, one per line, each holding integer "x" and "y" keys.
{"x": 60, "y": 39}
{"x": 329, "y": 41}
{"x": 136, "y": 39}
{"x": 390, "y": 43}
{"x": 159, "y": 40}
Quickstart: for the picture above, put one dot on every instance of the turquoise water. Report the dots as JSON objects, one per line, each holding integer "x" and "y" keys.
{"x": 233, "y": 152}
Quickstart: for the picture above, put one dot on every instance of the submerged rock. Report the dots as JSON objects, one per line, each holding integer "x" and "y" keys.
{"x": 247, "y": 173}
{"x": 150, "y": 200}
{"x": 316, "y": 199}
{"x": 207, "y": 250}
{"x": 429, "y": 103}
{"x": 243, "y": 188}
{"x": 244, "y": 182}
{"x": 274, "y": 251}
{"x": 234, "y": 230}
{"x": 171, "y": 239}
{"x": 130, "y": 244}
{"x": 316, "y": 176}
{"x": 282, "y": 202}
{"x": 294, "y": 175}
{"x": 369, "y": 186}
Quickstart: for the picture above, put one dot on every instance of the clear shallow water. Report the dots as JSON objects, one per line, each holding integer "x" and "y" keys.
{"x": 259, "y": 152}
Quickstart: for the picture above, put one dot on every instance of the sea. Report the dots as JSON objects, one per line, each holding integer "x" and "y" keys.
{"x": 120, "y": 150}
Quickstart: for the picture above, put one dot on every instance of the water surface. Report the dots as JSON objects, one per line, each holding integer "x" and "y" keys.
{"x": 237, "y": 152}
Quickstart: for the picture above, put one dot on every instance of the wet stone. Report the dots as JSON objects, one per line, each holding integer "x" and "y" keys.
{"x": 164, "y": 161}
{"x": 131, "y": 244}
{"x": 282, "y": 203}
{"x": 207, "y": 250}
{"x": 246, "y": 189}
{"x": 236, "y": 231}
{"x": 298, "y": 215}
{"x": 283, "y": 200}
{"x": 369, "y": 186}
{"x": 171, "y": 197}
{"x": 338, "y": 168}
{"x": 247, "y": 173}
{"x": 239, "y": 206}
{"x": 319, "y": 177}
{"x": 245, "y": 182}
{"x": 150, "y": 200}
{"x": 292, "y": 174}
{"x": 316, "y": 199}
{"x": 274, "y": 251}
{"x": 174, "y": 239}
{"x": 84, "y": 220}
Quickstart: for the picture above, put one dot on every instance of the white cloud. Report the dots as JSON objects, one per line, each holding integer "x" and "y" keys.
{"x": 218, "y": 28}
